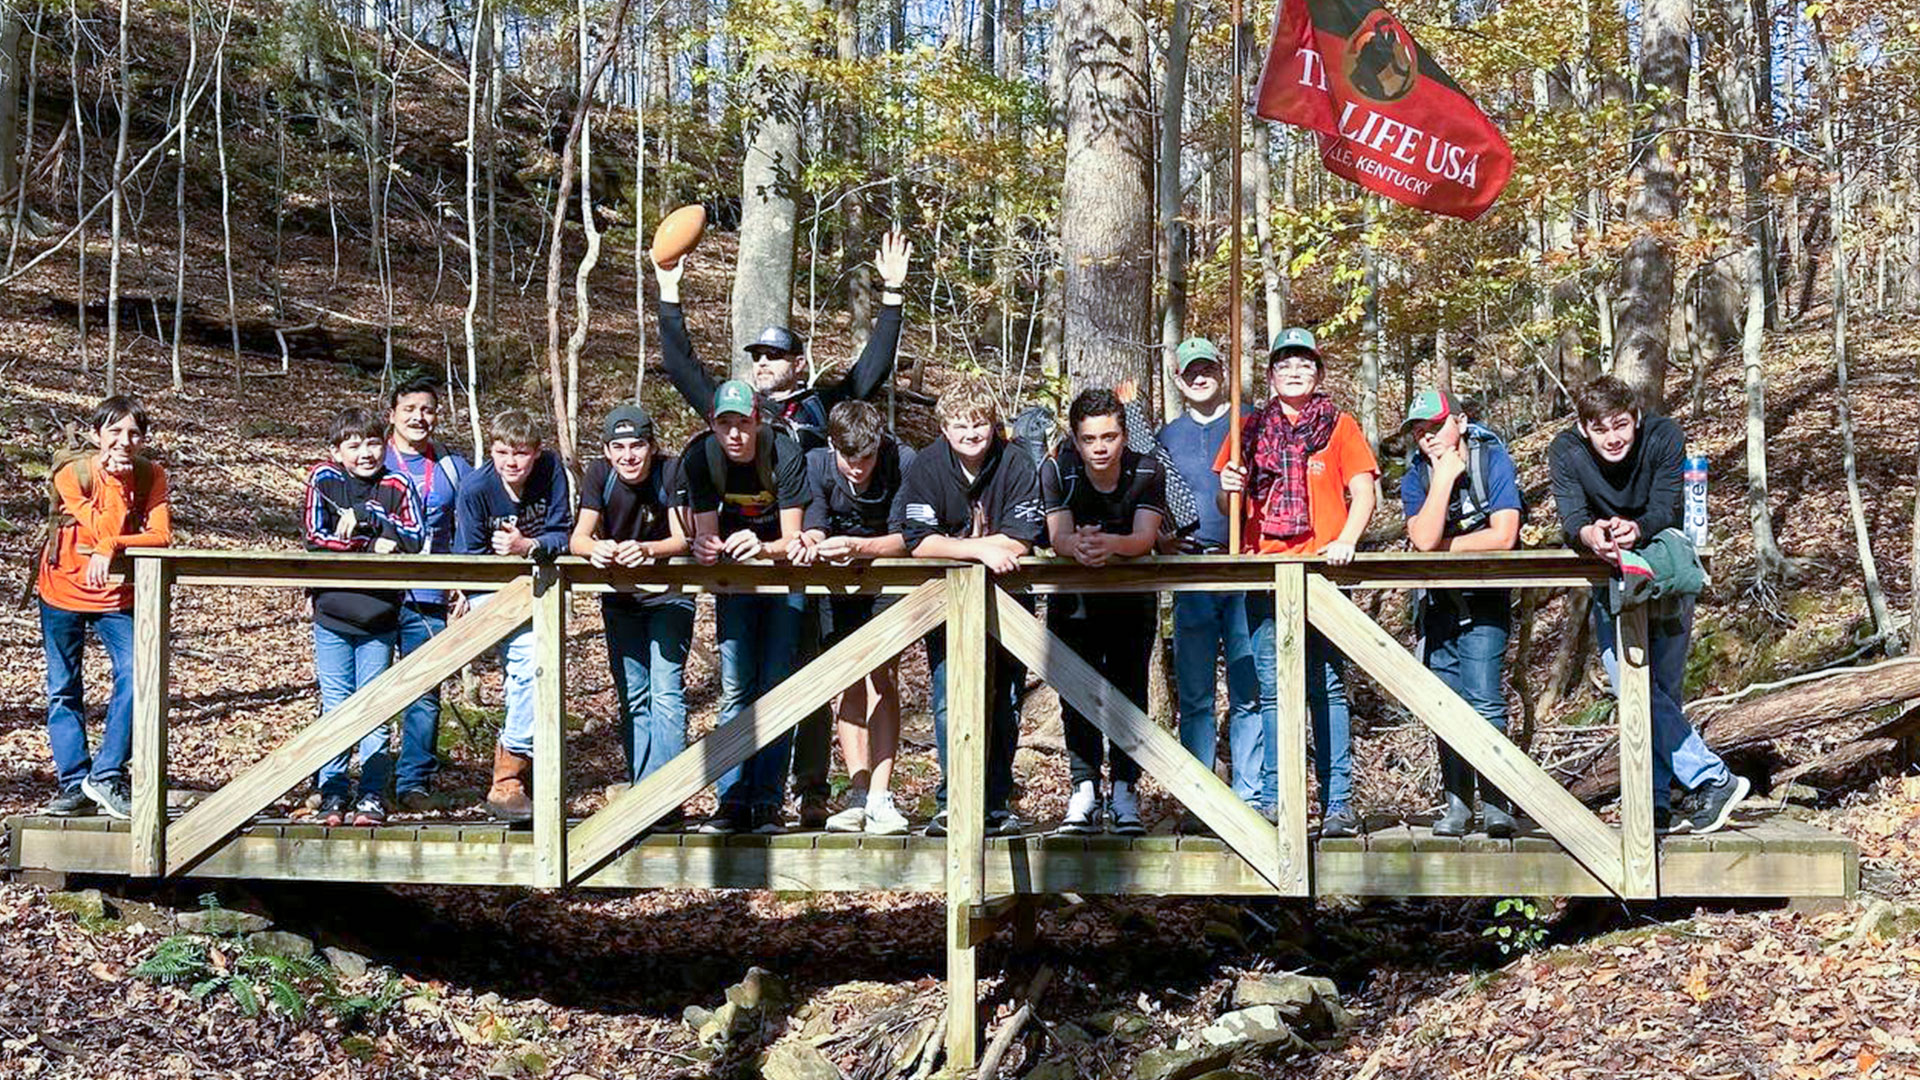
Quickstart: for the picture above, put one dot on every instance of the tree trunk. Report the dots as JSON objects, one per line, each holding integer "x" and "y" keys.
{"x": 123, "y": 104}
{"x": 1837, "y": 208}
{"x": 79, "y": 34}
{"x": 1106, "y": 235}
{"x": 11, "y": 167}
{"x": 560, "y": 386}
{"x": 22, "y": 216}
{"x": 1788, "y": 711}
{"x": 180, "y": 198}
{"x": 467, "y": 328}
{"x": 1646, "y": 270}
{"x": 1173, "y": 231}
{"x": 1769, "y": 563}
{"x": 853, "y": 238}
{"x": 769, "y": 185}
{"x": 582, "y": 290}
{"x": 226, "y": 203}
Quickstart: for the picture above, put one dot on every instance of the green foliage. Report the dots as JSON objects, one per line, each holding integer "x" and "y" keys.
{"x": 1520, "y": 926}
{"x": 290, "y": 986}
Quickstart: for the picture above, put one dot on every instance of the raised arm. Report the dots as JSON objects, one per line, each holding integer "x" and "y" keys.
{"x": 676, "y": 346}
{"x": 876, "y": 361}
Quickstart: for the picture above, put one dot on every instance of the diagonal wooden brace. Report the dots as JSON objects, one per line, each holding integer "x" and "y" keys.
{"x": 206, "y": 825}
{"x": 632, "y": 812}
{"x": 1133, "y": 733}
{"x": 1408, "y": 681}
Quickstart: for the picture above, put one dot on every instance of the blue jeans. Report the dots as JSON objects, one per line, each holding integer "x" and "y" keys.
{"x": 517, "y": 661}
{"x": 647, "y": 650}
{"x": 1206, "y": 624}
{"x": 1679, "y": 754}
{"x": 1326, "y": 704}
{"x": 420, "y": 724}
{"x": 1004, "y": 676}
{"x": 1463, "y": 638}
{"x": 759, "y": 638}
{"x": 63, "y": 633}
{"x": 344, "y": 663}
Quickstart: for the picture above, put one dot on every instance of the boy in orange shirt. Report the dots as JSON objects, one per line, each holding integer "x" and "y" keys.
{"x": 110, "y": 500}
{"x": 1308, "y": 475}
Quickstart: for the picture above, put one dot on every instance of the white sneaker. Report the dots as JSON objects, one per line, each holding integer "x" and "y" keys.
{"x": 1124, "y": 808}
{"x": 1083, "y": 810}
{"x": 851, "y": 820}
{"x": 882, "y": 818}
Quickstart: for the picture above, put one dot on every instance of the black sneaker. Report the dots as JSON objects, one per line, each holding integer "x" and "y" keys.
{"x": 1666, "y": 822}
{"x": 71, "y": 802}
{"x": 1717, "y": 802}
{"x": 415, "y": 801}
{"x": 938, "y": 826}
{"x": 370, "y": 810}
{"x": 1339, "y": 823}
{"x": 112, "y": 796}
{"x": 767, "y": 820}
{"x": 813, "y": 812}
{"x": 724, "y": 822}
{"x": 333, "y": 810}
{"x": 1004, "y": 823}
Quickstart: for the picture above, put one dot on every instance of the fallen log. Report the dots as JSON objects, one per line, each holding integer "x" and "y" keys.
{"x": 1835, "y": 695}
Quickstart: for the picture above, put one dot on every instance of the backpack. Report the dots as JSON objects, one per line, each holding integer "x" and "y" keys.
{"x": 1474, "y": 514}
{"x": 1033, "y": 431}
{"x": 75, "y": 452}
{"x": 716, "y": 461}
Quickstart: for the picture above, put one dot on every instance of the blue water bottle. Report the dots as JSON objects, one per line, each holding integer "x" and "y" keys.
{"x": 1694, "y": 475}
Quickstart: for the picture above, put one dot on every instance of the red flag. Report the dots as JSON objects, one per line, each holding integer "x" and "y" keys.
{"x": 1389, "y": 119}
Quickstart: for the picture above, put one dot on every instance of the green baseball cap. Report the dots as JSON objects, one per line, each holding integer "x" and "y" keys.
{"x": 734, "y": 396}
{"x": 1430, "y": 406}
{"x": 1295, "y": 338}
{"x": 1192, "y": 351}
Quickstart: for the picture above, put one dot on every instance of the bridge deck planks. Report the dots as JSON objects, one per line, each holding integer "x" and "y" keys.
{"x": 1770, "y": 857}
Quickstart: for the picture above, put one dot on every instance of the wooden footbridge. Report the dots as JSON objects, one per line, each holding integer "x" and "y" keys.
{"x": 1570, "y": 851}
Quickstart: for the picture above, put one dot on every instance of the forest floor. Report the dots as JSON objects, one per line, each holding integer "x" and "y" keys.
{"x": 508, "y": 982}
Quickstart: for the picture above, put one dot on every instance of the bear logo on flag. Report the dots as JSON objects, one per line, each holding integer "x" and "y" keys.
{"x": 1379, "y": 60}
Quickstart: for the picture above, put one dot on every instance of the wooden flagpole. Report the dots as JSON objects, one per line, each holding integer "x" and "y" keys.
{"x": 1235, "y": 513}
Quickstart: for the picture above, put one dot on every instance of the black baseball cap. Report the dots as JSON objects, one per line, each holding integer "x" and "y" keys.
{"x": 777, "y": 339}
{"x": 627, "y": 422}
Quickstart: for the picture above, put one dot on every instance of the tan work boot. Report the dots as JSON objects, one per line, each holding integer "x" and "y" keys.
{"x": 508, "y": 799}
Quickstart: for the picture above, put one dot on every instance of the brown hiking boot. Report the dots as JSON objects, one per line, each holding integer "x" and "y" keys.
{"x": 508, "y": 799}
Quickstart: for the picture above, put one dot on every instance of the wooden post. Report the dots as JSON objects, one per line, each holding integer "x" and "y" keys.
{"x": 1290, "y": 687}
{"x": 152, "y": 598}
{"x": 549, "y": 734}
{"x": 1639, "y": 864}
{"x": 967, "y": 719}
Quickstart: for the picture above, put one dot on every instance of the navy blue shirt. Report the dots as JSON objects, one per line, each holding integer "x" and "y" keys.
{"x": 1192, "y": 447}
{"x": 838, "y": 510}
{"x": 542, "y": 513}
{"x": 1503, "y": 483}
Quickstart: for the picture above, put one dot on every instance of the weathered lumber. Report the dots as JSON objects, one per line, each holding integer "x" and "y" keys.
{"x": 633, "y": 811}
{"x": 968, "y": 663}
{"x": 1779, "y": 858}
{"x": 1636, "y": 746}
{"x": 1290, "y": 687}
{"x": 1802, "y": 707}
{"x": 372, "y": 705}
{"x": 152, "y": 600}
{"x": 1409, "y": 682}
{"x": 1133, "y": 733}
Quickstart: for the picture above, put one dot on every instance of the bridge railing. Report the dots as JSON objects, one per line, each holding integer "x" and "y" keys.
{"x": 975, "y": 610}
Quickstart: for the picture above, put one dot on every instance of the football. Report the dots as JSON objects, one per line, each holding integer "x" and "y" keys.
{"x": 677, "y": 234}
